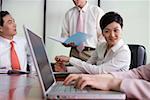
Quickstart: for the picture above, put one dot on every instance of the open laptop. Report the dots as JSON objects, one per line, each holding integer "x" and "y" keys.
{"x": 56, "y": 90}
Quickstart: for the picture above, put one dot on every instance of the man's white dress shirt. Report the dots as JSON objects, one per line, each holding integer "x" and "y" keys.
{"x": 91, "y": 16}
{"x": 21, "y": 49}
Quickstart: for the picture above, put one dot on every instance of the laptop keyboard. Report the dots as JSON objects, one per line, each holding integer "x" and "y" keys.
{"x": 62, "y": 88}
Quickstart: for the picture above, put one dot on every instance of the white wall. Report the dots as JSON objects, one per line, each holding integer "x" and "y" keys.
{"x": 136, "y": 20}
{"x": 53, "y": 26}
{"x": 28, "y": 12}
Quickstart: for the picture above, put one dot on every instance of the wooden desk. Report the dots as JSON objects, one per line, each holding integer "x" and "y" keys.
{"x": 20, "y": 87}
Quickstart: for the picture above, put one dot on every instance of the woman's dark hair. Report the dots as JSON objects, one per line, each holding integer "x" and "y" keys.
{"x": 109, "y": 18}
{"x": 3, "y": 14}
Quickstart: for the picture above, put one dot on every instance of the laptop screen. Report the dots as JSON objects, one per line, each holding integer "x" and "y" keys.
{"x": 41, "y": 59}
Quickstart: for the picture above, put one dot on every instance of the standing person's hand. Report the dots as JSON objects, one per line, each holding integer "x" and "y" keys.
{"x": 71, "y": 44}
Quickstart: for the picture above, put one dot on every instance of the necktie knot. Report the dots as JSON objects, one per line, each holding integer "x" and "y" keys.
{"x": 80, "y": 11}
{"x": 12, "y": 44}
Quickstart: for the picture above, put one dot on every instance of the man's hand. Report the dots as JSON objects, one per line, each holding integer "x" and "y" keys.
{"x": 102, "y": 82}
{"x": 71, "y": 44}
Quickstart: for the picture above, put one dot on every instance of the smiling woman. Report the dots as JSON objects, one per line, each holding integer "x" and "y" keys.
{"x": 111, "y": 25}
{"x": 109, "y": 56}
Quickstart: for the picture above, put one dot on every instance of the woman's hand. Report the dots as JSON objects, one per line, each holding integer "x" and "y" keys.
{"x": 62, "y": 58}
{"x": 60, "y": 67}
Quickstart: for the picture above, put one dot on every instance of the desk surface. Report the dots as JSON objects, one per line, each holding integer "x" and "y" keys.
{"x": 20, "y": 87}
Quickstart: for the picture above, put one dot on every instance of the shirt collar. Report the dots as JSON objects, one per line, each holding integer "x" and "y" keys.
{"x": 84, "y": 9}
{"x": 4, "y": 40}
{"x": 118, "y": 45}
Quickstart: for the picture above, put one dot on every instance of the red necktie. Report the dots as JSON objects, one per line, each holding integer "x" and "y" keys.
{"x": 14, "y": 58}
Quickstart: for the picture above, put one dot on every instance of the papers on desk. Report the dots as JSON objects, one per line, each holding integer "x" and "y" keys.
{"x": 76, "y": 38}
{"x": 58, "y": 39}
{"x": 3, "y": 71}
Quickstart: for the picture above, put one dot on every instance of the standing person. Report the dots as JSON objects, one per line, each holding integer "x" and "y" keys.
{"x": 14, "y": 52}
{"x": 83, "y": 18}
{"x": 112, "y": 55}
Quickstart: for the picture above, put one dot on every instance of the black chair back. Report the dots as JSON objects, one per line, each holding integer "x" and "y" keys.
{"x": 138, "y": 55}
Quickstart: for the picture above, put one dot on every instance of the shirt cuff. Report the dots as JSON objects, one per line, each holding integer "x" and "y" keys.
{"x": 73, "y": 61}
{"x": 73, "y": 70}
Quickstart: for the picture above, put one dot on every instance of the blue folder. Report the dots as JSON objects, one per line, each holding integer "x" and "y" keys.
{"x": 77, "y": 38}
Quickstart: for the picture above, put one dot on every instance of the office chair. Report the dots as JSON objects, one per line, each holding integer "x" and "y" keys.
{"x": 138, "y": 55}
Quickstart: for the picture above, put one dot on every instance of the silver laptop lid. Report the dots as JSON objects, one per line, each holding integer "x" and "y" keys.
{"x": 40, "y": 60}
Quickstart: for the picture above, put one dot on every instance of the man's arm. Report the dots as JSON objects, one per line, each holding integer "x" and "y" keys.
{"x": 135, "y": 82}
{"x": 142, "y": 72}
{"x": 136, "y": 88}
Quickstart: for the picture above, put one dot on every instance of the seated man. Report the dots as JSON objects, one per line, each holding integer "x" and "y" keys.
{"x": 14, "y": 52}
{"x": 112, "y": 55}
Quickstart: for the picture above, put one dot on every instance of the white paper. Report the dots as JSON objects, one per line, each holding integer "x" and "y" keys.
{"x": 3, "y": 71}
{"x": 77, "y": 38}
{"x": 58, "y": 39}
